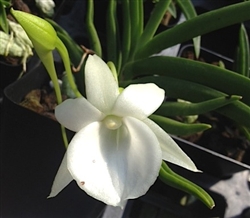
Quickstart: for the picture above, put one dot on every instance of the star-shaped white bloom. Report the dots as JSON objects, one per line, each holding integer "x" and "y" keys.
{"x": 117, "y": 151}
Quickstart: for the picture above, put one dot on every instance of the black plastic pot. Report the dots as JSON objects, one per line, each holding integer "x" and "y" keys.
{"x": 207, "y": 55}
{"x": 31, "y": 152}
{"x": 9, "y": 74}
{"x": 211, "y": 162}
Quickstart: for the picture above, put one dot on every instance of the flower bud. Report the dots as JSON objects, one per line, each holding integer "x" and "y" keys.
{"x": 40, "y": 32}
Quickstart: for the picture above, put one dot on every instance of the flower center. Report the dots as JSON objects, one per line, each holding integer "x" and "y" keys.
{"x": 112, "y": 122}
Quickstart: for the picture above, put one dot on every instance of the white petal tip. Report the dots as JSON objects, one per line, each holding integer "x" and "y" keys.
{"x": 51, "y": 195}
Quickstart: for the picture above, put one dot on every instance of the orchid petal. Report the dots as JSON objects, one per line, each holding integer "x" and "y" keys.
{"x": 101, "y": 86}
{"x": 62, "y": 179}
{"x": 139, "y": 100}
{"x": 115, "y": 165}
{"x": 77, "y": 113}
{"x": 170, "y": 150}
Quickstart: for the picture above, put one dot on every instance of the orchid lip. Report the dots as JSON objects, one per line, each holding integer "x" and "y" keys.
{"x": 112, "y": 122}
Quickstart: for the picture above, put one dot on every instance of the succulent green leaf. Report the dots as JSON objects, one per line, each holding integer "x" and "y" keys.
{"x": 113, "y": 41}
{"x": 205, "y": 74}
{"x": 3, "y": 19}
{"x": 154, "y": 21}
{"x": 189, "y": 11}
{"x": 93, "y": 36}
{"x": 171, "y": 178}
{"x": 177, "y": 88}
{"x": 172, "y": 9}
{"x": 187, "y": 109}
{"x": 126, "y": 33}
{"x": 178, "y": 128}
{"x": 242, "y": 63}
{"x": 214, "y": 20}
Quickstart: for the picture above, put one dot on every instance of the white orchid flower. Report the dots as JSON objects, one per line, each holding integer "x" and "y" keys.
{"x": 117, "y": 151}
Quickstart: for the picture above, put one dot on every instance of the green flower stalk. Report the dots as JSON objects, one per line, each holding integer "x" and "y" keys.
{"x": 45, "y": 40}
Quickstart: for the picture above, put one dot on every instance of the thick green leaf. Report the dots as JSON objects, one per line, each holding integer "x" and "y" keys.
{"x": 193, "y": 92}
{"x": 178, "y": 128}
{"x": 172, "y": 179}
{"x": 3, "y": 19}
{"x": 197, "y": 26}
{"x": 187, "y": 108}
{"x": 172, "y": 9}
{"x": 242, "y": 62}
{"x": 113, "y": 43}
{"x": 92, "y": 33}
{"x": 189, "y": 11}
{"x": 154, "y": 21}
{"x": 205, "y": 74}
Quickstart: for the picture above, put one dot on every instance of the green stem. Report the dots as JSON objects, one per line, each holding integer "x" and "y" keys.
{"x": 64, "y": 136}
{"x": 66, "y": 61}
{"x": 76, "y": 55}
{"x": 47, "y": 60}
